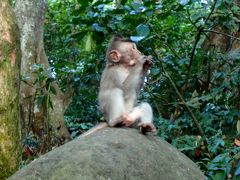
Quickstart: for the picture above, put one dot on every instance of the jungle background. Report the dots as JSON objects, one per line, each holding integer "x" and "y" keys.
{"x": 193, "y": 85}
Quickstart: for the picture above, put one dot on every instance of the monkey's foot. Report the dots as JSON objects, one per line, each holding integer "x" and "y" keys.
{"x": 127, "y": 120}
{"x": 147, "y": 127}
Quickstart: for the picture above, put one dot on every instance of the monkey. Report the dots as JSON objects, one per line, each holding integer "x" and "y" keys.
{"x": 121, "y": 82}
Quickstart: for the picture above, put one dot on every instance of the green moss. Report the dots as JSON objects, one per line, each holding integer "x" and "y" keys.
{"x": 9, "y": 104}
{"x": 10, "y": 157}
{"x": 5, "y": 50}
{"x": 7, "y": 170}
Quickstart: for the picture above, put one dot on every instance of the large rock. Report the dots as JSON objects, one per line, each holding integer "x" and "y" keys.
{"x": 112, "y": 154}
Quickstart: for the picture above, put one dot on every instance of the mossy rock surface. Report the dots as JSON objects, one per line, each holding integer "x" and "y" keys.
{"x": 113, "y": 154}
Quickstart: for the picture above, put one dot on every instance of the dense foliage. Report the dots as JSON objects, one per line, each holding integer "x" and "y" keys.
{"x": 194, "y": 90}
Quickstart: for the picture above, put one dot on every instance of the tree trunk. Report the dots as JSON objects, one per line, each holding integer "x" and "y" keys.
{"x": 225, "y": 39}
{"x": 9, "y": 91}
{"x": 219, "y": 39}
{"x": 36, "y": 96}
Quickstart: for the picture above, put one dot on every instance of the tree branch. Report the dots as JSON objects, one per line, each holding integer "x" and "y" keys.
{"x": 199, "y": 32}
{"x": 225, "y": 34}
{"x": 195, "y": 121}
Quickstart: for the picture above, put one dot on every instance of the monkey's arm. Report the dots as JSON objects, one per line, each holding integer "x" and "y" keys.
{"x": 137, "y": 73}
{"x": 133, "y": 79}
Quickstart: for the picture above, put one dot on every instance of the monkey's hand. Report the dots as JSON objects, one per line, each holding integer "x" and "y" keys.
{"x": 147, "y": 127}
{"x": 147, "y": 63}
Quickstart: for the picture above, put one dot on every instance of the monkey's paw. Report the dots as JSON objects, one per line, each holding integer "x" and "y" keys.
{"x": 147, "y": 63}
{"x": 147, "y": 127}
{"x": 127, "y": 120}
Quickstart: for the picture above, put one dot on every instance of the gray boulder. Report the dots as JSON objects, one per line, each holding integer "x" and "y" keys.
{"x": 112, "y": 154}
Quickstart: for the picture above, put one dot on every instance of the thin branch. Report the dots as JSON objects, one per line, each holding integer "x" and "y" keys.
{"x": 156, "y": 105}
{"x": 195, "y": 121}
{"x": 168, "y": 46}
{"x": 190, "y": 20}
{"x": 225, "y": 34}
{"x": 238, "y": 104}
{"x": 155, "y": 81}
{"x": 198, "y": 35}
{"x": 212, "y": 10}
{"x": 199, "y": 32}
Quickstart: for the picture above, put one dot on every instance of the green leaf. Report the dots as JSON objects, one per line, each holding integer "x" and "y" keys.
{"x": 155, "y": 71}
{"x": 88, "y": 43}
{"x": 53, "y": 90}
{"x": 183, "y": 2}
{"x": 98, "y": 28}
{"x": 137, "y": 38}
{"x": 237, "y": 172}
{"x": 84, "y": 126}
{"x": 220, "y": 175}
{"x": 142, "y": 30}
{"x": 138, "y": 7}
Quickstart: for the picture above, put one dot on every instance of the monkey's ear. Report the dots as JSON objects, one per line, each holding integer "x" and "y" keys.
{"x": 114, "y": 56}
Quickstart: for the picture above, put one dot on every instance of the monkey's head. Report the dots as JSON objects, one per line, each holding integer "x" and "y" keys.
{"x": 122, "y": 51}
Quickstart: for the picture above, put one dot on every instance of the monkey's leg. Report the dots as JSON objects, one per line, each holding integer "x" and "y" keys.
{"x": 145, "y": 114}
{"x": 142, "y": 112}
{"x": 115, "y": 107}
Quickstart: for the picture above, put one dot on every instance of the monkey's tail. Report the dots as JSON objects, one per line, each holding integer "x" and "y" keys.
{"x": 95, "y": 129}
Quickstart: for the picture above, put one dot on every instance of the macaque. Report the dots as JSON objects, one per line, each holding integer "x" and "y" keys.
{"x": 120, "y": 85}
